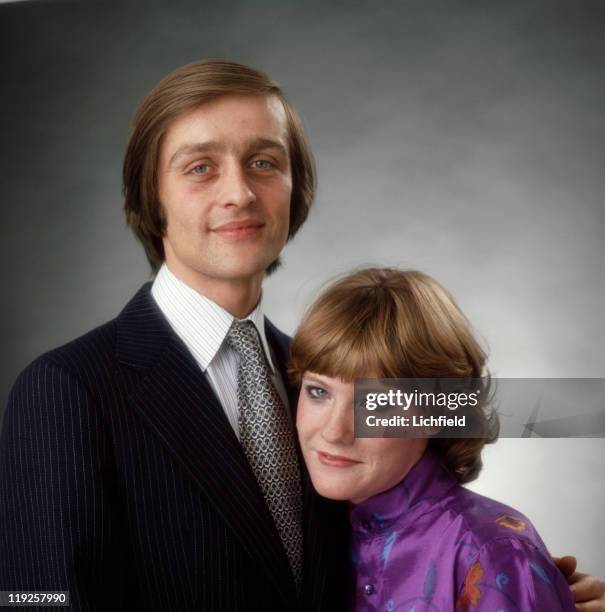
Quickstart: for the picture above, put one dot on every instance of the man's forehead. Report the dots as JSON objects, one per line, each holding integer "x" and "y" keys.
{"x": 249, "y": 120}
{"x": 255, "y": 110}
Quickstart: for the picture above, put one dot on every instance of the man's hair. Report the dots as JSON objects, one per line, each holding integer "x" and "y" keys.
{"x": 183, "y": 90}
{"x": 388, "y": 323}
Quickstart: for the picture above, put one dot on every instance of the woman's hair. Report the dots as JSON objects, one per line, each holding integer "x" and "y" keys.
{"x": 183, "y": 90}
{"x": 388, "y": 323}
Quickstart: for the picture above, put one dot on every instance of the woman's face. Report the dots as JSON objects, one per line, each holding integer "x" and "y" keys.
{"x": 341, "y": 466}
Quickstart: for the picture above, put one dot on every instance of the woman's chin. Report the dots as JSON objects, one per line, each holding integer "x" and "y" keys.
{"x": 335, "y": 491}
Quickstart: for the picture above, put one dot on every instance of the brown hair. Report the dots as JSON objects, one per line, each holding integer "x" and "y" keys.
{"x": 388, "y": 323}
{"x": 182, "y": 90}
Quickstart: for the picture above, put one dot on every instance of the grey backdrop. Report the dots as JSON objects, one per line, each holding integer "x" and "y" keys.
{"x": 466, "y": 139}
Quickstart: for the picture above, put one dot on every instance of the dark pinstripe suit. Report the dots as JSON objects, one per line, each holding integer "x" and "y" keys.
{"x": 122, "y": 481}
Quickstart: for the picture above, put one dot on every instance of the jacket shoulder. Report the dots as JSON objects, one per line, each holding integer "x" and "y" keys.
{"x": 94, "y": 356}
{"x": 84, "y": 354}
{"x": 77, "y": 367}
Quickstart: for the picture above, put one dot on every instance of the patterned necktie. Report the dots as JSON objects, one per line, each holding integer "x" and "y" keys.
{"x": 267, "y": 440}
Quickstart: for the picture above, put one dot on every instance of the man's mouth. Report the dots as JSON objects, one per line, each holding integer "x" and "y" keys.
{"x": 239, "y": 229}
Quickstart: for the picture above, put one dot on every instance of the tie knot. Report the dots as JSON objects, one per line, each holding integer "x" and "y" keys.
{"x": 244, "y": 339}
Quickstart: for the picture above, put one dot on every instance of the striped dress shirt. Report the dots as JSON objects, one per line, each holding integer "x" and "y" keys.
{"x": 203, "y": 325}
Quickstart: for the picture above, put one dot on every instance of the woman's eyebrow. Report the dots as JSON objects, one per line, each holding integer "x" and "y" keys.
{"x": 315, "y": 379}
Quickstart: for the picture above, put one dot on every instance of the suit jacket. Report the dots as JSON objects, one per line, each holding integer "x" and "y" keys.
{"x": 122, "y": 481}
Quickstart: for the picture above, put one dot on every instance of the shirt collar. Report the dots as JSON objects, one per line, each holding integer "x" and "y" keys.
{"x": 201, "y": 323}
{"x": 426, "y": 484}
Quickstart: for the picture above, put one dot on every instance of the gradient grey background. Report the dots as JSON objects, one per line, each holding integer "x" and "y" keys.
{"x": 465, "y": 139}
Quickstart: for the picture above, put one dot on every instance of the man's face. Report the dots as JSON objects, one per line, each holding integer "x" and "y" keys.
{"x": 225, "y": 183}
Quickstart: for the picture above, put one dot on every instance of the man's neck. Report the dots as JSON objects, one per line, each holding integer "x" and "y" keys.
{"x": 238, "y": 297}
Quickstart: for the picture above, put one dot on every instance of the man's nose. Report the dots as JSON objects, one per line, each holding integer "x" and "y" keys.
{"x": 339, "y": 426}
{"x": 235, "y": 189}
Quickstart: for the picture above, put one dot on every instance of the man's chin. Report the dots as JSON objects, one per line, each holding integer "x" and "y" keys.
{"x": 247, "y": 269}
{"x": 243, "y": 270}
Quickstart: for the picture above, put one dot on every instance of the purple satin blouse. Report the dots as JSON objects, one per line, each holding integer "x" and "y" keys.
{"x": 431, "y": 544}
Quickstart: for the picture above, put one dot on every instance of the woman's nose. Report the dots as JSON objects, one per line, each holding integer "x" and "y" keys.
{"x": 338, "y": 429}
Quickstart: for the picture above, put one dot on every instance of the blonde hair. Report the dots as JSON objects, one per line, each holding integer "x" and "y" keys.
{"x": 388, "y": 323}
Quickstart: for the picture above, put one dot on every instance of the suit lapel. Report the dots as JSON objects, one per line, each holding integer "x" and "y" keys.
{"x": 315, "y": 534}
{"x": 176, "y": 400}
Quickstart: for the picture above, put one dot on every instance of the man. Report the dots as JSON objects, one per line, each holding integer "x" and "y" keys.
{"x": 151, "y": 464}
{"x": 129, "y": 474}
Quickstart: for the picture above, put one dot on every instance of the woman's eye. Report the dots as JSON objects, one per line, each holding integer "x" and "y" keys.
{"x": 262, "y": 164}
{"x": 200, "y": 169}
{"x": 316, "y": 392}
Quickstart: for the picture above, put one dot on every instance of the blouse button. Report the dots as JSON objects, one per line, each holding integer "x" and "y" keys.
{"x": 369, "y": 589}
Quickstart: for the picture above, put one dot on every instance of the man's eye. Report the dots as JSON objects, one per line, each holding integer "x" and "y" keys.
{"x": 200, "y": 169}
{"x": 262, "y": 164}
{"x": 316, "y": 392}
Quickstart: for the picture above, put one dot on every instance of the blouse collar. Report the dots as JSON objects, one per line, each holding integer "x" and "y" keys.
{"x": 425, "y": 485}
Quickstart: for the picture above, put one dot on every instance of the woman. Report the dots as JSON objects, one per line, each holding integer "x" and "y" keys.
{"x": 420, "y": 540}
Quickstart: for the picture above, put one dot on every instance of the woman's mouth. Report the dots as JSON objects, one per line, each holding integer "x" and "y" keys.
{"x": 337, "y": 461}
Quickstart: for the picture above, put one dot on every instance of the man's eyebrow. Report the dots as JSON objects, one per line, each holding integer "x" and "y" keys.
{"x": 255, "y": 144}
{"x": 195, "y": 147}
{"x": 266, "y": 143}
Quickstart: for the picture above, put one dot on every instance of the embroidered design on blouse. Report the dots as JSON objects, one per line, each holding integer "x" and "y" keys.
{"x": 470, "y": 592}
{"x": 505, "y": 520}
